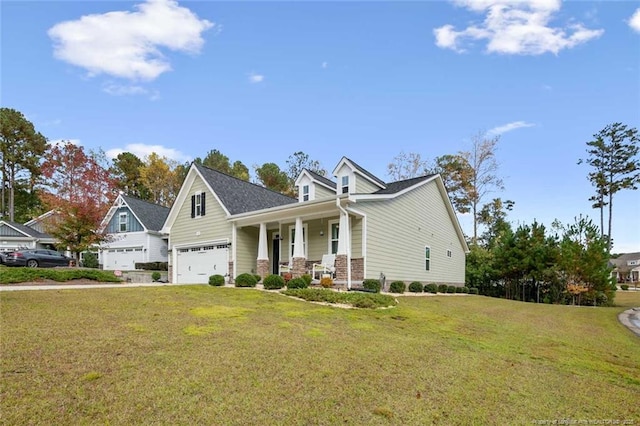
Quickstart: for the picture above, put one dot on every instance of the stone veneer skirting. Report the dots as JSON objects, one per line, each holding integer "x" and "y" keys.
{"x": 298, "y": 267}
{"x": 263, "y": 267}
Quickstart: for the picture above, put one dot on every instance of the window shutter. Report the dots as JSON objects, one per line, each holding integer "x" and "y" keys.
{"x": 202, "y": 204}
{"x": 193, "y": 206}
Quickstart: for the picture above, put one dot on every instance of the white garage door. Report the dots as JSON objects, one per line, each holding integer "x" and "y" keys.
{"x": 196, "y": 264}
{"x": 123, "y": 259}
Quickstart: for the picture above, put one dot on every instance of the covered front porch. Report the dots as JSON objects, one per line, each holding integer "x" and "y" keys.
{"x": 297, "y": 237}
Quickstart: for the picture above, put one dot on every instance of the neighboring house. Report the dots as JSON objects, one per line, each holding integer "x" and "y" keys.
{"x": 45, "y": 221}
{"x": 626, "y": 267}
{"x": 404, "y": 230}
{"x": 133, "y": 228}
{"x": 14, "y": 236}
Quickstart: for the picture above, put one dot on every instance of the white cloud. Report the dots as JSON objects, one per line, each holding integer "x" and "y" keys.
{"x": 256, "y": 78}
{"x": 128, "y": 44}
{"x": 517, "y": 27}
{"x": 143, "y": 150}
{"x": 115, "y": 89}
{"x": 634, "y": 21}
{"x": 498, "y": 130}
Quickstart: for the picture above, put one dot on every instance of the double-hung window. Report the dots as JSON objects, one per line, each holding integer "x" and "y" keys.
{"x": 305, "y": 193}
{"x": 345, "y": 184}
{"x": 123, "y": 222}
{"x": 335, "y": 230}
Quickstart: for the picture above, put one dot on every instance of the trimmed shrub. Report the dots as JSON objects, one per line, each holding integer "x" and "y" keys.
{"x": 257, "y": 277}
{"x": 458, "y": 289}
{"x": 431, "y": 288}
{"x": 155, "y": 276}
{"x": 307, "y": 278}
{"x": 273, "y": 282}
{"x": 358, "y": 300}
{"x": 442, "y": 288}
{"x": 152, "y": 266}
{"x": 246, "y": 280}
{"x": 473, "y": 290}
{"x": 297, "y": 283}
{"x": 371, "y": 284}
{"x": 451, "y": 289}
{"x": 397, "y": 287}
{"x": 624, "y": 286}
{"x": 216, "y": 280}
{"x": 90, "y": 260}
{"x": 465, "y": 290}
{"x": 415, "y": 287}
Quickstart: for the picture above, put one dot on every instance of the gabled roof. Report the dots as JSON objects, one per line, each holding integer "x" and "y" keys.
{"x": 240, "y": 196}
{"x": 361, "y": 170}
{"x": 393, "y": 187}
{"x": 318, "y": 178}
{"x": 25, "y": 230}
{"x": 41, "y": 218}
{"x": 152, "y": 216}
{"x": 620, "y": 262}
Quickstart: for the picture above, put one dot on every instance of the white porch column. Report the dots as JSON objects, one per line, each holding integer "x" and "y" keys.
{"x": 263, "y": 251}
{"x": 343, "y": 234}
{"x": 298, "y": 243}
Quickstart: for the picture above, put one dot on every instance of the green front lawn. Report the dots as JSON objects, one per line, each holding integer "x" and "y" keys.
{"x": 205, "y": 355}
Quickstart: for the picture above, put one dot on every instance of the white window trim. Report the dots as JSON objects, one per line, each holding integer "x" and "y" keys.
{"x": 427, "y": 258}
{"x": 329, "y": 236}
{"x": 305, "y": 233}
{"x": 342, "y": 185}
{"x": 198, "y": 204}
{"x": 307, "y": 194}
{"x": 124, "y": 215}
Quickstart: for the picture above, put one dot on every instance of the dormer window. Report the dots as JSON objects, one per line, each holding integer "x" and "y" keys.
{"x": 123, "y": 222}
{"x": 345, "y": 184}
{"x": 305, "y": 193}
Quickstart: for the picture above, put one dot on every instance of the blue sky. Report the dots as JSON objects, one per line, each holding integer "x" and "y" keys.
{"x": 368, "y": 80}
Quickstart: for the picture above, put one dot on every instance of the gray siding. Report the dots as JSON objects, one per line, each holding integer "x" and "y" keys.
{"x": 212, "y": 226}
{"x": 7, "y": 231}
{"x": 132, "y": 223}
{"x": 398, "y": 231}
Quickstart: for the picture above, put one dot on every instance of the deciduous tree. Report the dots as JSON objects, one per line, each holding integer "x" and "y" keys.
{"x": 159, "y": 175}
{"x": 80, "y": 188}
{"x": 407, "y": 166}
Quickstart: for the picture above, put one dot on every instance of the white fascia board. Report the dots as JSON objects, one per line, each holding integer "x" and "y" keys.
{"x": 183, "y": 195}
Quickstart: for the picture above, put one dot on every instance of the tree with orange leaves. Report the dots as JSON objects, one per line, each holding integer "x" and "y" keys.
{"x": 80, "y": 188}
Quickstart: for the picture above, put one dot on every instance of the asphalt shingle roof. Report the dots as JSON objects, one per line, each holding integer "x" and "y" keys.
{"x": 394, "y": 187}
{"x": 27, "y": 230}
{"x": 240, "y": 196}
{"x": 366, "y": 172}
{"x": 322, "y": 179}
{"x": 152, "y": 215}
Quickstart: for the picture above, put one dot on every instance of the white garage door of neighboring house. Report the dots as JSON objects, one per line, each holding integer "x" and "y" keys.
{"x": 196, "y": 264}
{"x": 123, "y": 259}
